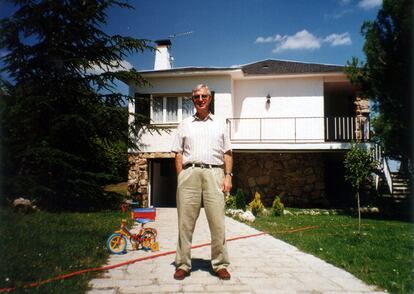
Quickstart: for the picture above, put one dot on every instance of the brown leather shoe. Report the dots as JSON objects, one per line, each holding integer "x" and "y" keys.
{"x": 223, "y": 274}
{"x": 180, "y": 274}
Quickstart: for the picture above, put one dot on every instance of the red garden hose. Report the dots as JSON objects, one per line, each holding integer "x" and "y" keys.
{"x": 69, "y": 275}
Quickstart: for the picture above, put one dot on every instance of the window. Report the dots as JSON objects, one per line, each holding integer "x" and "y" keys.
{"x": 187, "y": 107}
{"x": 142, "y": 106}
{"x": 171, "y": 109}
{"x": 157, "y": 113}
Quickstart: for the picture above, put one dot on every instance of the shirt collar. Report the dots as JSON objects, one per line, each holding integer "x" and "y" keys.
{"x": 209, "y": 116}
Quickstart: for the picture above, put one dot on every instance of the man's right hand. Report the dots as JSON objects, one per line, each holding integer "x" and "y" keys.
{"x": 178, "y": 163}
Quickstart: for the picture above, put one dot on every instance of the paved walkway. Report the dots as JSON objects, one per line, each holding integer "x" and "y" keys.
{"x": 260, "y": 264}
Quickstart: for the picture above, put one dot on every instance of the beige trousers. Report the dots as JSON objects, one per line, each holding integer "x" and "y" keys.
{"x": 195, "y": 186}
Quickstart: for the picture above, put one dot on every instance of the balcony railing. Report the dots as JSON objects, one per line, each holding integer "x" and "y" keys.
{"x": 299, "y": 129}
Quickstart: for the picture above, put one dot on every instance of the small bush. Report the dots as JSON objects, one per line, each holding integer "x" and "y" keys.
{"x": 236, "y": 201}
{"x": 231, "y": 202}
{"x": 277, "y": 207}
{"x": 256, "y": 206}
{"x": 239, "y": 200}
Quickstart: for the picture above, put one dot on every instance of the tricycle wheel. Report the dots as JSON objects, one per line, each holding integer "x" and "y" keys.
{"x": 148, "y": 239}
{"x": 155, "y": 247}
{"x": 116, "y": 243}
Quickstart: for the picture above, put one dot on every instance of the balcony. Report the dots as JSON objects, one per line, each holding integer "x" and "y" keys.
{"x": 298, "y": 130}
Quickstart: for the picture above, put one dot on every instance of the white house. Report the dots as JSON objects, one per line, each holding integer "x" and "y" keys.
{"x": 290, "y": 124}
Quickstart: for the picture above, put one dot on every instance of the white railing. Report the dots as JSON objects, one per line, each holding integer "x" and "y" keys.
{"x": 387, "y": 174}
{"x": 298, "y": 129}
{"x": 382, "y": 165}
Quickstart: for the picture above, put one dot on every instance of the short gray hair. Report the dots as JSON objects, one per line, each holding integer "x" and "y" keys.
{"x": 201, "y": 86}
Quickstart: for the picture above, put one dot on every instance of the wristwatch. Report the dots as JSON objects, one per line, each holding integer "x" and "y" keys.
{"x": 228, "y": 174}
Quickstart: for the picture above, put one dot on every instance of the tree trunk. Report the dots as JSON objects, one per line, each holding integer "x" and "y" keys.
{"x": 359, "y": 214}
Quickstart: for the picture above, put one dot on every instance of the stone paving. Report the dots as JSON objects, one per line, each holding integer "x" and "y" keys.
{"x": 261, "y": 264}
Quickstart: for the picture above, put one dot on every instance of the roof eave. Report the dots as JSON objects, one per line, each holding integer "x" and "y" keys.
{"x": 297, "y": 75}
{"x": 178, "y": 73}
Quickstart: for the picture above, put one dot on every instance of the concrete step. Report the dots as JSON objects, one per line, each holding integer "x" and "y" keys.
{"x": 400, "y": 181}
{"x": 401, "y": 192}
{"x": 400, "y": 187}
{"x": 396, "y": 200}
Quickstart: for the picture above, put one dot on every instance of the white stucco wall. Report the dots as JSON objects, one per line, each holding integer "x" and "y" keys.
{"x": 294, "y": 115}
{"x": 291, "y": 98}
{"x": 221, "y": 85}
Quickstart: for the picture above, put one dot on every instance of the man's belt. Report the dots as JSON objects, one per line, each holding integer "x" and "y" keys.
{"x": 202, "y": 165}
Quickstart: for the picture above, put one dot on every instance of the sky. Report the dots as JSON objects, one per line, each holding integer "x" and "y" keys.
{"x": 225, "y": 33}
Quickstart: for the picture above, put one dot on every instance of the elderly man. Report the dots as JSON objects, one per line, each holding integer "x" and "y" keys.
{"x": 204, "y": 164}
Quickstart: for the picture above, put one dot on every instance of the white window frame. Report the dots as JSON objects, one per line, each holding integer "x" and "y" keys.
{"x": 164, "y": 108}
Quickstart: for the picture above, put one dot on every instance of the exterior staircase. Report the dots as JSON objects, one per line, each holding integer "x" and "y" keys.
{"x": 398, "y": 203}
{"x": 401, "y": 190}
{"x": 394, "y": 188}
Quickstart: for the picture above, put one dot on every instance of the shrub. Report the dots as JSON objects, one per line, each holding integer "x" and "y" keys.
{"x": 277, "y": 207}
{"x": 236, "y": 201}
{"x": 240, "y": 203}
{"x": 231, "y": 202}
{"x": 256, "y": 206}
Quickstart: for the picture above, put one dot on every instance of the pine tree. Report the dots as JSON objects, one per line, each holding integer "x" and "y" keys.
{"x": 60, "y": 112}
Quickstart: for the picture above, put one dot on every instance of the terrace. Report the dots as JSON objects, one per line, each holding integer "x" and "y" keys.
{"x": 317, "y": 131}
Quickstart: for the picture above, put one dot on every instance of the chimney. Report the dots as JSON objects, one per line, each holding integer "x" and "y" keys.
{"x": 162, "y": 55}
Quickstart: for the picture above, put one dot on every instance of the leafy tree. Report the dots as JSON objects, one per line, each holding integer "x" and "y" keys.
{"x": 63, "y": 112}
{"x": 386, "y": 75}
{"x": 358, "y": 167}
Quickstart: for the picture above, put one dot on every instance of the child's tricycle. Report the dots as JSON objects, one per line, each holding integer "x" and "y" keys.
{"x": 145, "y": 239}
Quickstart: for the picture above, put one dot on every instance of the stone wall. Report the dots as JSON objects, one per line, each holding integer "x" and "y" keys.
{"x": 138, "y": 176}
{"x": 362, "y": 114}
{"x": 297, "y": 178}
{"x": 361, "y": 106}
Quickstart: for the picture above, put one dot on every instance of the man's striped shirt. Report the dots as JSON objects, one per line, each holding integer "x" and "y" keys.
{"x": 202, "y": 141}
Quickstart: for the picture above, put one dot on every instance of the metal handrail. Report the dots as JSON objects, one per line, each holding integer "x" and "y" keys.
{"x": 387, "y": 174}
{"x": 326, "y": 129}
{"x": 382, "y": 166}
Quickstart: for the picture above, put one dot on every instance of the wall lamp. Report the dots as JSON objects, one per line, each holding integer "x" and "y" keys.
{"x": 268, "y": 98}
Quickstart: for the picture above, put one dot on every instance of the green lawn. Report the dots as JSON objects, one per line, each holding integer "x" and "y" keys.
{"x": 382, "y": 255}
{"x": 43, "y": 245}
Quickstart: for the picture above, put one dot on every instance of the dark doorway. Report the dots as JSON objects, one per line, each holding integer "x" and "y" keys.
{"x": 338, "y": 191}
{"x": 163, "y": 182}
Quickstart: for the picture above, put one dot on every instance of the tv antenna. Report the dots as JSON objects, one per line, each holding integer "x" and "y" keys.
{"x": 180, "y": 34}
{"x": 172, "y": 36}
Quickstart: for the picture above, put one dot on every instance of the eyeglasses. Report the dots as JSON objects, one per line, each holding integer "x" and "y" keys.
{"x": 204, "y": 97}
